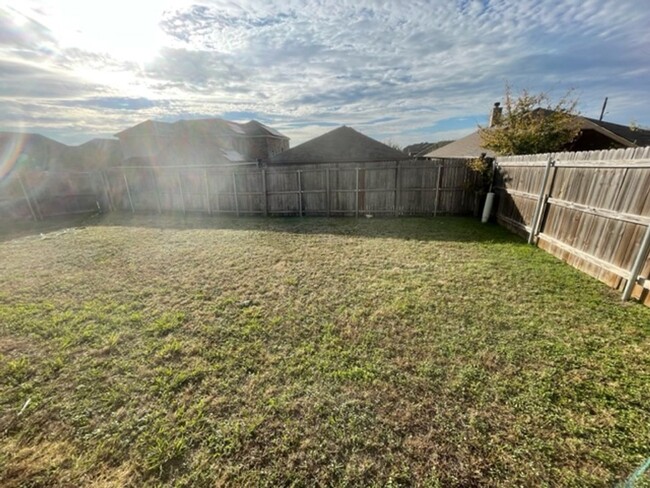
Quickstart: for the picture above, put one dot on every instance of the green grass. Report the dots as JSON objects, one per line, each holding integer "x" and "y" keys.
{"x": 201, "y": 352}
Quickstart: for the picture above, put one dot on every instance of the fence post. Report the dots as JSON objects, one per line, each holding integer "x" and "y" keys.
{"x": 155, "y": 184}
{"x": 541, "y": 201}
{"x": 180, "y": 190}
{"x": 397, "y": 189}
{"x": 207, "y": 191}
{"x": 234, "y": 187}
{"x": 422, "y": 189}
{"x": 107, "y": 189}
{"x": 356, "y": 193}
{"x": 216, "y": 194}
{"x": 128, "y": 190}
{"x": 438, "y": 185}
{"x": 29, "y": 201}
{"x": 327, "y": 189}
{"x": 266, "y": 193}
{"x": 637, "y": 267}
{"x": 300, "y": 193}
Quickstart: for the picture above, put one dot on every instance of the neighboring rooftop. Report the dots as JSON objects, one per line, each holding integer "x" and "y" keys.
{"x": 595, "y": 134}
{"x": 213, "y": 125}
{"x": 340, "y": 145}
{"x": 465, "y": 147}
{"x": 421, "y": 149}
{"x": 634, "y": 136}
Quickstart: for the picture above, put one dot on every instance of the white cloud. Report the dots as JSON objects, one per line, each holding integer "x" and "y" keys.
{"x": 392, "y": 70}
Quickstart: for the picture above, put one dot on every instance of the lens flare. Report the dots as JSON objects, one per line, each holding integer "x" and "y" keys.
{"x": 11, "y": 147}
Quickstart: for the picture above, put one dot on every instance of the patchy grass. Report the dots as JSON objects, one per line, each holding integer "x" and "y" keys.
{"x": 430, "y": 352}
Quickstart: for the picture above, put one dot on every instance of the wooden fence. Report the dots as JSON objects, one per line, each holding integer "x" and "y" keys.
{"x": 353, "y": 189}
{"x": 40, "y": 195}
{"x": 591, "y": 209}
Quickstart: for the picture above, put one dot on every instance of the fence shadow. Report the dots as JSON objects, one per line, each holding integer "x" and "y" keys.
{"x": 445, "y": 228}
{"x": 15, "y": 229}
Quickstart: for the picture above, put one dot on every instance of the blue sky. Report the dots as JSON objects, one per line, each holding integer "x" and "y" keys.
{"x": 403, "y": 72}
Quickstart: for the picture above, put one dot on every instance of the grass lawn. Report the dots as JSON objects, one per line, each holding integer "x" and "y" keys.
{"x": 201, "y": 352}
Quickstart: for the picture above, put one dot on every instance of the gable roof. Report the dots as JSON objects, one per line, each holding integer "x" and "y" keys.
{"x": 30, "y": 151}
{"x": 339, "y": 145}
{"x": 465, "y": 147}
{"x": 470, "y": 145}
{"x": 621, "y": 133}
{"x": 255, "y": 128}
{"x": 215, "y": 126}
{"x": 147, "y": 125}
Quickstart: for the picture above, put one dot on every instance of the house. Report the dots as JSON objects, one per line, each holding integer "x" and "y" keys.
{"x": 201, "y": 141}
{"x": 419, "y": 148}
{"x": 594, "y": 135}
{"x": 341, "y": 145}
{"x": 95, "y": 154}
{"x": 37, "y": 152}
{"x": 29, "y": 151}
{"x": 419, "y": 151}
{"x": 465, "y": 147}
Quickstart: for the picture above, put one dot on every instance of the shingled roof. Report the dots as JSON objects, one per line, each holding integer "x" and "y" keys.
{"x": 339, "y": 145}
{"x": 470, "y": 145}
{"x": 465, "y": 147}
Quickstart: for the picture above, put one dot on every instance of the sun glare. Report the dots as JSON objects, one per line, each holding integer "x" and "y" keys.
{"x": 126, "y": 31}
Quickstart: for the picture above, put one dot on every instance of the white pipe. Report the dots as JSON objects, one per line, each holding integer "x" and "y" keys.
{"x": 637, "y": 267}
{"x": 487, "y": 208}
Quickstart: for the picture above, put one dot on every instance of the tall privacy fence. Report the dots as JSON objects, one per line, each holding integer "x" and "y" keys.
{"x": 40, "y": 195}
{"x": 591, "y": 209}
{"x": 379, "y": 188}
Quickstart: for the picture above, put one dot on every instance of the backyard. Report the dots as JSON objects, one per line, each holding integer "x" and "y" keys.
{"x": 162, "y": 350}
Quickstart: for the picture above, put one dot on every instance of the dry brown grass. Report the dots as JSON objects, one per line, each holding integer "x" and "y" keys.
{"x": 203, "y": 352}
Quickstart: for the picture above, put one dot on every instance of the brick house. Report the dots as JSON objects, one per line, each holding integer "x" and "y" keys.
{"x": 202, "y": 141}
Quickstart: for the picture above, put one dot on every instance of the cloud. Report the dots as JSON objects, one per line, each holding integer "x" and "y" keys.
{"x": 419, "y": 70}
{"x": 117, "y": 103}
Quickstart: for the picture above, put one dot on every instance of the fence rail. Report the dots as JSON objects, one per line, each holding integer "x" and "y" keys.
{"x": 409, "y": 188}
{"x": 380, "y": 188}
{"x": 591, "y": 209}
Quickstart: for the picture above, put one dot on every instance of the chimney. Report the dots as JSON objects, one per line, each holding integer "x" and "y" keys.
{"x": 495, "y": 116}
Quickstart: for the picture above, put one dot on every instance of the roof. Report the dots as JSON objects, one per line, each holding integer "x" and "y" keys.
{"x": 190, "y": 148}
{"x": 212, "y": 125}
{"x": 465, "y": 147}
{"x": 26, "y": 150}
{"x": 470, "y": 145}
{"x": 147, "y": 125}
{"x": 94, "y": 154}
{"x": 255, "y": 128}
{"x": 415, "y": 149}
{"x": 34, "y": 151}
{"x": 340, "y": 145}
{"x": 636, "y": 137}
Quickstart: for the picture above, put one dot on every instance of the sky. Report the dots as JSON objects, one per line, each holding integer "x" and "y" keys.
{"x": 401, "y": 71}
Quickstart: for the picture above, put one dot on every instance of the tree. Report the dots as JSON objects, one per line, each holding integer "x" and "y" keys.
{"x": 532, "y": 123}
{"x": 394, "y": 145}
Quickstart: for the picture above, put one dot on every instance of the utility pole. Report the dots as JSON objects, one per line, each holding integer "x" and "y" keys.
{"x": 602, "y": 112}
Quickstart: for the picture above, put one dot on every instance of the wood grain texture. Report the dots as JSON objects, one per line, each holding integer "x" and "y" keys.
{"x": 596, "y": 211}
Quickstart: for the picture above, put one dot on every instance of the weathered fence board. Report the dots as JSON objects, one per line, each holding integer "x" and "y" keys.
{"x": 353, "y": 189}
{"x": 595, "y": 209}
{"x": 41, "y": 194}
{"x": 337, "y": 189}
